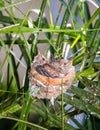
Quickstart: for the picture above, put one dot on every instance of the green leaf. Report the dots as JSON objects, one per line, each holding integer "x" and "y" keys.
{"x": 1, "y": 3}
{"x": 11, "y": 109}
{"x": 24, "y": 112}
{"x": 86, "y": 73}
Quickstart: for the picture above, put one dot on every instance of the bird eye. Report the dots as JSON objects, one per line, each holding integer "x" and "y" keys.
{"x": 64, "y": 63}
{"x": 43, "y": 59}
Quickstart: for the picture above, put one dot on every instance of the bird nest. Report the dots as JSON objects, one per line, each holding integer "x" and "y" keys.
{"x": 49, "y": 77}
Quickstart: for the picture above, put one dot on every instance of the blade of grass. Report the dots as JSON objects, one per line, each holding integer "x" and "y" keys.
{"x": 87, "y": 14}
{"x": 34, "y": 43}
{"x": 25, "y": 111}
{"x": 82, "y": 105}
{"x": 24, "y": 122}
{"x": 64, "y": 22}
{"x": 96, "y": 13}
{"x": 15, "y": 71}
{"x": 14, "y": 4}
{"x": 52, "y": 119}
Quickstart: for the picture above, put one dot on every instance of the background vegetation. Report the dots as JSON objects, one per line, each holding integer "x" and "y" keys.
{"x": 16, "y": 106}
